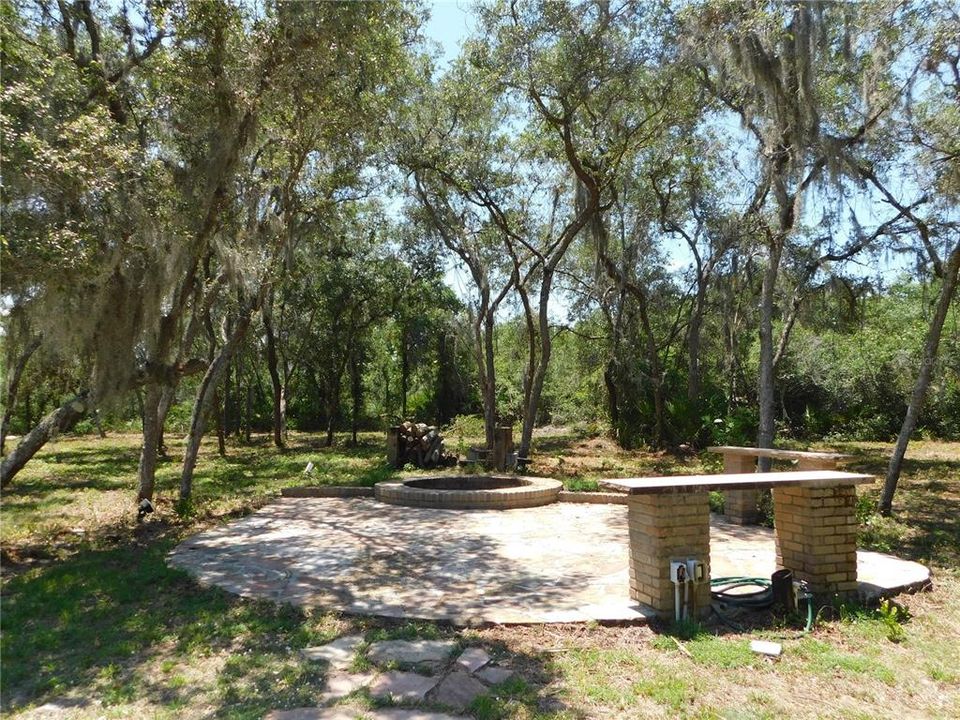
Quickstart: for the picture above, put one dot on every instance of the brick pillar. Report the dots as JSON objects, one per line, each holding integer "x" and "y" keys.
{"x": 740, "y": 506}
{"x": 816, "y": 531}
{"x": 664, "y": 527}
{"x": 816, "y": 464}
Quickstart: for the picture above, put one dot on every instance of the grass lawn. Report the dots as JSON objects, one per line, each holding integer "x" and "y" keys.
{"x": 94, "y": 621}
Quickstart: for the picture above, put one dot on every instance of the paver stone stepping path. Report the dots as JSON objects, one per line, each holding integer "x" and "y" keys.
{"x": 341, "y": 713}
{"x": 455, "y": 686}
{"x": 494, "y": 674}
{"x": 339, "y": 653}
{"x": 411, "y": 652}
{"x": 409, "y": 687}
{"x": 472, "y": 659}
{"x": 458, "y": 689}
{"x": 341, "y": 684}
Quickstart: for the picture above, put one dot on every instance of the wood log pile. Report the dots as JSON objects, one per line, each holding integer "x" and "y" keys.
{"x": 421, "y": 445}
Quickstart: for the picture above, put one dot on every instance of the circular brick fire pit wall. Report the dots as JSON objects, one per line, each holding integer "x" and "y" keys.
{"x": 470, "y": 492}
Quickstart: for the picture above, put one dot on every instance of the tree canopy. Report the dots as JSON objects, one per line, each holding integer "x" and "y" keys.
{"x": 681, "y": 222}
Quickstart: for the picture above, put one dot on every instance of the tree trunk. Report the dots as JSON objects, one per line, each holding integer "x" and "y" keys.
{"x": 540, "y": 372}
{"x": 218, "y": 410}
{"x": 167, "y": 395}
{"x": 356, "y": 392}
{"x": 13, "y": 386}
{"x": 95, "y": 414}
{"x": 694, "y": 331}
{"x": 930, "y": 346}
{"x": 731, "y": 336}
{"x": 60, "y": 420}
{"x": 28, "y": 408}
{"x": 331, "y": 413}
{"x": 248, "y": 413}
{"x": 656, "y": 373}
{"x": 613, "y": 403}
{"x": 237, "y": 394}
{"x": 205, "y": 395}
{"x": 490, "y": 381}
{"x": 766, "y": 396}
{"x": 333, "y": 401}
{"x": 531, "y": 346}
{"x": 151, "y": 437}
{"x": 404, "y": 371}
{"x": 226, "y": 413}
{"x": 279, "y": 401}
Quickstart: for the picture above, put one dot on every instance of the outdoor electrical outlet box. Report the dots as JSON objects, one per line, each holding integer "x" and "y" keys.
{"x": 696, "y": 570}
{"x": 678, "y": 571}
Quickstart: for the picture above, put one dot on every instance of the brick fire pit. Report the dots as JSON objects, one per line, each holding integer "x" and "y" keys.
{"x": 470, "y": 492}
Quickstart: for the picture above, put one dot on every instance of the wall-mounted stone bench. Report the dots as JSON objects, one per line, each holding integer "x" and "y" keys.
{"x": 669, "y": 519}
{"x": 740, "y": 506}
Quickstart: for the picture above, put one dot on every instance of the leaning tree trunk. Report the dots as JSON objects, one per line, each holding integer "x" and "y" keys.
{"x": 60, "y": 420}
{"x": 205, "y": 396}
{"x": 540, "y": 372}
{"x": 13, "y": 386}
{"x": 947, "y": 292}
{"x": 766, "y": 396}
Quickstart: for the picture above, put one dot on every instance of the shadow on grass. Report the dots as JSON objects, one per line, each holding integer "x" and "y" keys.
{"x": 923, "y": 526}
{"x": 94, "y": 625}
{"x": 116, "y": 625}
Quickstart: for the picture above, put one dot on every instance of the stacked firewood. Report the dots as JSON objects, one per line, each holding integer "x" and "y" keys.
{"x": 421, "y": 445}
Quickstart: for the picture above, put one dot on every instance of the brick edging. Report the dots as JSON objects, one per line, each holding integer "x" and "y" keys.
{"x": 327, "y": 491}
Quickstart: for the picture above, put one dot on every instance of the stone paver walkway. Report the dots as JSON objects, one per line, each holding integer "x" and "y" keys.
{"x": 452, "y": 685}
{"x": 345, "y": 713}
{"x": 557, "y": 563}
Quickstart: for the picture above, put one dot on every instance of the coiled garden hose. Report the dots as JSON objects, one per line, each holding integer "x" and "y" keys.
{"x": 758, "y": 599}
{"x": 755, "y": 600}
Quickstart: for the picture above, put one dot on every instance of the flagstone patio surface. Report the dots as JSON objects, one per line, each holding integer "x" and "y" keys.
{"x": 564, "y": 562}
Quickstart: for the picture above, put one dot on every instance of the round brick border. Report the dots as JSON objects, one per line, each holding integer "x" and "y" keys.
{"x": 532, "y": 492}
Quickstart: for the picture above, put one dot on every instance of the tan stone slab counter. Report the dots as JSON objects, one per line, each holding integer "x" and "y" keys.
{"x": 742, "y": 506}
{"x": 778, "y": 454}
{"x": 736, "y": 481}
{"x": 669, "y": 518}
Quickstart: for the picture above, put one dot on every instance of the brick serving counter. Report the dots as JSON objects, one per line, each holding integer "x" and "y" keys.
{"x": 669, "y": 519}
{"x": 740, "y": 506}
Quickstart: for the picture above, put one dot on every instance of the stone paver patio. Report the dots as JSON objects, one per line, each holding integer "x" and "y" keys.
{"x": 564, "y": 562}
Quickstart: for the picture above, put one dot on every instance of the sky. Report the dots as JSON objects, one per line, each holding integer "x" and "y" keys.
{"x": 450, "y": 23}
